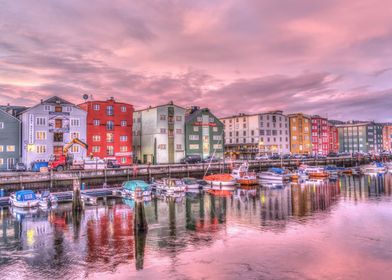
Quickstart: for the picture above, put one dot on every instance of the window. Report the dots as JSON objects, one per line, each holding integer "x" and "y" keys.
{"x": 123, "y": 160}
{"x": 162, "y": 146}
{"x": 109, "y": 137}
{"x": 96, "y": 149}
{"x": 194, "y": 146}
{"x": 1, "y": 148}
{"x": 200, "y": 119}
{"x": 38, "y": 121}
{"x": 162, "y": 117}
{"x": 163, "y": 130}
{"x": 58, "y": 109}
{"x": 58, "y": 123}
{"x": 123, "y": 109}
{"x": 195, "y": 128}
{"x": 47, "y": 107}
{"x": 194, "y": 137}
{"x": 109, "y": 110}
{"x": 215, "y": 129}
{"x": 75, "y": 135}
{"x": 75, "y": 122}
{"x": 217, "y": 137}
{"x": 179, "y": 131}
{"x": 179, "y": 147}
{"x": 123, "y": 123}
{"x": 123, "y": 138}
{"x": 41, "y": 149}
{"x": 294, "y": 138}
{"x": 123, "y": 149}
{"x": 1, "y": 161}
{"x": 58, "y": 137}
{"x": 10, "y": 148}
{"x": 75, "y": 149}
{"x": 178, "y": 118}
{"x": 96, "y": 138}
{"x": 68, "y": 108}
{"x": 110, "y": 150}
{"x": 96, "y": 122}
{"x": 96, "y": 107}
{"x": 40, "y": 135}
{"x": 217, "y": 146}
{"x": 109, "y": 125}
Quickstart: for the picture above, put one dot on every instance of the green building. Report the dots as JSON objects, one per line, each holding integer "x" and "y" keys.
{"x": 204, "y": 133}
{"x": 360, "y": 137}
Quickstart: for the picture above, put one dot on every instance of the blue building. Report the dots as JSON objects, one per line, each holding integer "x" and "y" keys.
{"x": 10, "y": 140}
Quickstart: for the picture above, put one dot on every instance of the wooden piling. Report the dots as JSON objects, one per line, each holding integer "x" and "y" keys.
{"x": 77, "y": 204}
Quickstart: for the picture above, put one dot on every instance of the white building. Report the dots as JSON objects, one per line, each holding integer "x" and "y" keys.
{"x": 48, "y": 126}
{"x": 247, "y": 136}
{"x": 274, "y": 133}
{"x": 158, "y": 134}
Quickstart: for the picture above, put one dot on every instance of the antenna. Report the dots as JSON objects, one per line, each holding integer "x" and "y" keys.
{"x": 85, "y": 97}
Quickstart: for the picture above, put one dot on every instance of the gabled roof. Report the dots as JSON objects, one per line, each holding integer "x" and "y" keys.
{"x": 4, "y": 113}
{"x": 52, "y": 101}
{"x": 197, "y": 113}
{"x": 167, "y": 104}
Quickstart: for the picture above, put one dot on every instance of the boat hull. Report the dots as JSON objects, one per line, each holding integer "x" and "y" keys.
{"x": 24, "y": 204}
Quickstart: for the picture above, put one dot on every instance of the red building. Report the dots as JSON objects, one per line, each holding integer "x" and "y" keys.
{"x": 333, "y": 139}
{"x": 320, "y": 136}
{"x": 109, "y": 130}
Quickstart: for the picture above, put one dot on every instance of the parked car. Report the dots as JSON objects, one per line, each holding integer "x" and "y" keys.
{"x": 332, "y": 154}
{"x": 262, "y": 157}
{"x": 211, "y": 159}
{"x": 20, "y": 167}
{"x": 112, "y": 163}
{"x": 274, "y": 157}
{"x": 191, "y": 159}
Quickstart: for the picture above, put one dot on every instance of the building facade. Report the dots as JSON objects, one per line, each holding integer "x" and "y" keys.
{"x": 109, "y": 130}
{"x": 10, "y": 139}
{"x": 333, "y": 136}
{"x": 360, "y": 137}
{"x": 274, "y": 133}
{"x": 241, "y": 136}
{"x": 48, "y": 126}
{"x": 320, "y": 135}
{"x": 158, "y": 134}
{"x": 300, "y": 133}
{"x": 204, "y": 133}
{"x": 387, "y": 138}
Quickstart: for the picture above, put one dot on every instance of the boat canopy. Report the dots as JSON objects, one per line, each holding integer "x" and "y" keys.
{"x": 379, "y": 164}
{"x": 25, "y": 195}
{"x": 189, "y": 181}
{"x": 134, "y": 184}
{"x": 276, "y": 170}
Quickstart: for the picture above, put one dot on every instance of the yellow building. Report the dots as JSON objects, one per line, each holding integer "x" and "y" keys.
{"x": 300, "y": 132}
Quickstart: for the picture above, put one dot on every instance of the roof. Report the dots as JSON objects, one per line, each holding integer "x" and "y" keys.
{"x": 163, "y": 105}
{"x": 297, "y": 114}
{"x": 199, "y": 112}
{"x": 9, "y": 115}
{"x": 240, "y": 116}
{"x": 52, "y": 100}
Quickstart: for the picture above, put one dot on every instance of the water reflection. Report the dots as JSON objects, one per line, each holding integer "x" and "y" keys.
{"x": 103, "y": 239}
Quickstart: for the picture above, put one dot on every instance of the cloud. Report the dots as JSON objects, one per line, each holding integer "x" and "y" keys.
{"x": 233, "y": 56}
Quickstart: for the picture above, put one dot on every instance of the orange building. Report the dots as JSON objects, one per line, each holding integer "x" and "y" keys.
{"x": 300, "y": 131}
{"x": 387, "y": 138}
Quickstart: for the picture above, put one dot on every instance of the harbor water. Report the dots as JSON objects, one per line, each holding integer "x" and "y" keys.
{"x": 336, "y": 229}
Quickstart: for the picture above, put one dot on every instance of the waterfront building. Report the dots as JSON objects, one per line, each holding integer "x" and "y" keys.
{"x": 241, "y": 136}
{"x": 204, "y": 133}
{"x": 48, "y": 126}
{"x": 387, "y": 138}
{"x": 158, "y": 134}
{"x": 274, "y": 133}
{"x": 320, "y": 135}
{"x": 333, "y": 136}
{"x": 10, "y": 139}
{"x": 300, "y": 131}
{"x": 109, "y": 130}
{"x": 363, "y": 137}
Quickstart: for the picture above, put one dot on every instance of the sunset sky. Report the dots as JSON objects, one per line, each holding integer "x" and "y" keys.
{"x": 333, "y": 58}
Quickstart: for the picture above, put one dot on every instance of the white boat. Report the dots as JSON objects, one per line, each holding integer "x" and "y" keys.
{"x": 314, "y": 171}
{"x": 24, "y": 199}
{"x": 47, "y": 200}
{"x": 191, "y": 183}
{"x": 374, "y": 168}
{"x": 274, "y": 175}
{"x": 170, "y": 185}
{"x": 242, "y": 175}
{"x": 135, "y": 189}
{"x": 89, "y": 200}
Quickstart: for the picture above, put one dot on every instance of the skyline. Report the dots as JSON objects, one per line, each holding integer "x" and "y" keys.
{"x": 332, "y": 59}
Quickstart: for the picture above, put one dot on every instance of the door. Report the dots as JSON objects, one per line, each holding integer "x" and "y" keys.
{"x": 10, "y": 163}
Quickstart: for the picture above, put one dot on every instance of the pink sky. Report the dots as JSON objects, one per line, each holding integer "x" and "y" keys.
{"x": 333, "y": 58}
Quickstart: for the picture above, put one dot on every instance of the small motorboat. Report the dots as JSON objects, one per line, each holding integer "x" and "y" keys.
{"x": 242, "y": 175}
{"x": 315, "y": 172}
{"x": 24, "y": 199}
{"x": 170, "y": 185}
{"x": 89, "y": 200}
{"x": 374, "y": 168}
{"x": 135, "y": 189}
{"x": 220, "y": 180}
{"x": 191, "y": 183}
{"x": 47, "y": 200}
{"x": 274, "y": 174}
